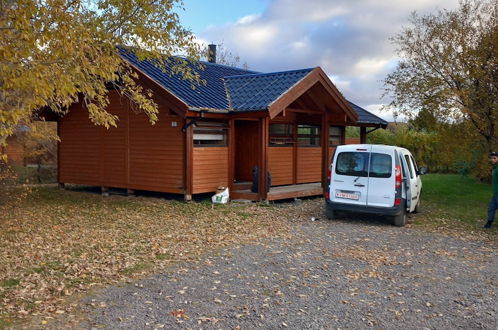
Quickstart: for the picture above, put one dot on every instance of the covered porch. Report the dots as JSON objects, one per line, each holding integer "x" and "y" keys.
{"x": 279, "y": 192}
{"x": 277, "y": 141}
{"x": 290, "y": 144}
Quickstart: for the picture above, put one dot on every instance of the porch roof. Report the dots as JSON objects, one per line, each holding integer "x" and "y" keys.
{"x": 366, "y": 117}
{"x": 228, "y": 89}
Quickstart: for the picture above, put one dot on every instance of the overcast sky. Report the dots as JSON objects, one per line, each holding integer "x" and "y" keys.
{"x": 348, "y": 39}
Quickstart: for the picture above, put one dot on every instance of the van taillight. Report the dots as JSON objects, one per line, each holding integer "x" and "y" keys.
{"x": 397, "y": 201}
{"x": 327, "y": 195}
{"x": 397, "y": 172}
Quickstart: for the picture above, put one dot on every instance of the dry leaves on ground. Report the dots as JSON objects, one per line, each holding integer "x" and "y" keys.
{"x": 57, "y": 243}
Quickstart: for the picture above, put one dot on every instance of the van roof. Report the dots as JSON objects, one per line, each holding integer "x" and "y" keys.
{"x": 362, "y": 146}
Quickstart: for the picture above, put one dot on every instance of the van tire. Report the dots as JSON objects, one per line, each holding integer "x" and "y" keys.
{"x": 417, "y": 208}
{"x": 400, "y": 219}
{"x": 329, "y": 213}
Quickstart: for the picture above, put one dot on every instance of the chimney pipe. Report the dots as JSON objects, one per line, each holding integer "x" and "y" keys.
{"x": 212, "y": 53}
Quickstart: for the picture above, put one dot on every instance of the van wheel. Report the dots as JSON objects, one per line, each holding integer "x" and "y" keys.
{"x": 417, "y": 208}
{"x": 400, "y": 219}
{"x": 329, "y": 213}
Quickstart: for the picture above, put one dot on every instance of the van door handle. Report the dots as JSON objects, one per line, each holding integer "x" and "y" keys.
{"x": 359, "y": 185}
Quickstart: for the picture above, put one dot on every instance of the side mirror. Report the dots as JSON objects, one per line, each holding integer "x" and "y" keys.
{"x": 422, "y": 171}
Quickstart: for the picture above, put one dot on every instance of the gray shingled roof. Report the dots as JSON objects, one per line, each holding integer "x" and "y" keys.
{"x": 231, "y": 89}
{"x": 252, "y": 92}
{"x": 366, "y": 117}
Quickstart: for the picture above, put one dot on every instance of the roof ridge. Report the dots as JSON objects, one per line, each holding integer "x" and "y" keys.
{"x": 227, "y": 93}
{"x": 268, "y": 73}
{"x": 227, "y": 66}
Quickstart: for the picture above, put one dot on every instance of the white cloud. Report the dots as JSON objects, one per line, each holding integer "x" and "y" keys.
{"x": 303, "y": 43}
{"x": 340, "y": 83}
{"x": 349, "y": 39}
{"x": 307, "y": 11}
{"x": 369, "y": 66}
{"x": 257, "y": 36}
{"x": 248, "y": 19}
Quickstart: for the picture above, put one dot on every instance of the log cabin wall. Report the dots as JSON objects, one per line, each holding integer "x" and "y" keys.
{"x": 210, "y": 168}
{"x": 309, "y": 164}
{"x": 79, "y": 149}
{"x": 14, "y": 151}
{"x": 210, "y": 155}
{"x": 134, "y": 155}
{"x": 281, "y": 165}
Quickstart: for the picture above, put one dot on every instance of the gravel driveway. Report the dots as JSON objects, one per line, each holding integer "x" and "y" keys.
{"x": 331, "y": 274}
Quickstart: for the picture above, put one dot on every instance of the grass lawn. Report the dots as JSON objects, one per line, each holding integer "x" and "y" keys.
{"x": 453, "y": 201}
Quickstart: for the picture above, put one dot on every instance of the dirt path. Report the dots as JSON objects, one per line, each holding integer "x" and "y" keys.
{"x": 332, "y": 274}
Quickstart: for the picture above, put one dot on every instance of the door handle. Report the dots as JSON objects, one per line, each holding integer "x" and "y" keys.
{"x": 359, "y": 185}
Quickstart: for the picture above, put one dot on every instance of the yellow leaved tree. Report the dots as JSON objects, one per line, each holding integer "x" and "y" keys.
{"x": 54, "y": 52}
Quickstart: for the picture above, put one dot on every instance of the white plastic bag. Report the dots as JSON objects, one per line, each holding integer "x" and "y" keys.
{"x": 221, "y": 196}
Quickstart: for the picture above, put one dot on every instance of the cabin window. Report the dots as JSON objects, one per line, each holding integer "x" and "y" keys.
{"x": 281, "y": 135}
{"x": 335, "y": 135}
{"x": 210, "y": 134}
{"x": 308, "y": 135}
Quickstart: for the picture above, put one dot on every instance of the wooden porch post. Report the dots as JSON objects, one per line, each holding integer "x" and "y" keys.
{"x": 61, "y": 184}
{"x": 263, "y": 163}
{"x": 231, "y": 153}
{"x": 363, "y": 135}
{"x": 189, "y": 175}
{"x": 325, "y": 149}
{"x": 294, "y": 151}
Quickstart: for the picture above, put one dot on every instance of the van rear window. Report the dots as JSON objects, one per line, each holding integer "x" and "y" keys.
{"x": 380, "y": 166}
{"x": 352, "y": 163}
{"x": 359, "y": 164}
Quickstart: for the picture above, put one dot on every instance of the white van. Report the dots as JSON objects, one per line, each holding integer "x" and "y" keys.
{"x": 377, "y": 179}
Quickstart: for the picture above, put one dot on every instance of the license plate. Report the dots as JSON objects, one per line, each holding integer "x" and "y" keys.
{"x": 347, "y": 195}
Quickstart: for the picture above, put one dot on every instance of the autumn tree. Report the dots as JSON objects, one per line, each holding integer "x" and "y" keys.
{"x": 55, "y": 52}
{"x": 449, "y": 68}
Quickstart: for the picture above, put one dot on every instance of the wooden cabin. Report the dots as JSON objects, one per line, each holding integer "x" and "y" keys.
{"x": 284, "y": 124}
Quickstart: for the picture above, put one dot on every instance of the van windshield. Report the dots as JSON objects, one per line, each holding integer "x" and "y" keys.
{"x": 359, "y": 164}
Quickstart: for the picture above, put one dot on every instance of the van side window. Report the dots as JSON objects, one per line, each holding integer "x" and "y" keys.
{"x": 352, "y": 163}
{"x": 414, "y": 165}
{"x": 380, "y": 165}
{"x": 410, "y": 166}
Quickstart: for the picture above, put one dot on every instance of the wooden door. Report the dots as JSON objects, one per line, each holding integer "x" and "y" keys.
{"x": 246, "y": 149}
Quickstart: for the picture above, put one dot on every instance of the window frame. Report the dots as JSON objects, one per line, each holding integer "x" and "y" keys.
{"x": 340, "y": 136}
{"x": 285, "y": 139}
{"x": 315, "y": 139}
{"x": 206, "y": 127}
{"x": 365, "y": 168}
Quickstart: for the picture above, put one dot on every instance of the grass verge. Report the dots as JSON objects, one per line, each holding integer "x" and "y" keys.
{"x": 453, "y": 202}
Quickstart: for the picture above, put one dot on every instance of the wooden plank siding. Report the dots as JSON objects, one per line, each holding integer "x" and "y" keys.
{"x": 133, "y": 155}
{"x": 330, "y": 154}
{"x": 14, "y": 151}
{"x": 309, "y": 164}
{"x": 79, "y": 149}
{"x": 281, "y": 165}
{"x": 156, "y": 157}
{"x": 210, "y": 168}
